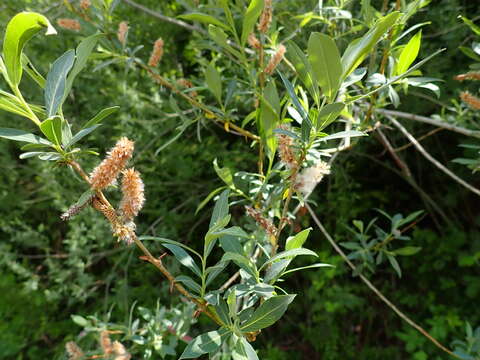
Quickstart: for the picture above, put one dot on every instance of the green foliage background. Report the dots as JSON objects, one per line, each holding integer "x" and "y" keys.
{"x": 52, "y": 269}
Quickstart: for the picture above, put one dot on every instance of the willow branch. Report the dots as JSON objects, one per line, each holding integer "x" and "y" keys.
{"x": 430, "y": 158}
{"x": 165, "y": 18}
{"x": 162, "y": 81}
{"x": 148, "y": 256}
{"x": 427, "y": 120}
{"x": 375, "y": 290}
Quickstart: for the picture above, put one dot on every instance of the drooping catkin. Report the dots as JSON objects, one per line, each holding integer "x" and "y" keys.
{"x": 254, "y": 42}
{"x": 122, "y": 32}
{"x": 472, "y": 75}
{"x": 120, "y": 352}
{"x": 285, "y": 148}
{"x": 74, "y": 351}
{"x": 157, "y": 53}
{"x": 275, "y": 60}
{"x": 109, "y": 169}
{"x": 310, "y": 177}
{"x": 85, "y": 4}
{"x": 106, "y": 343}
{"x": 471, "y": 100}
{"x": 133, "y": 194}
{"x": 265, "y": 17}
{"x": 69, "y": 24}
{"x": 262, "y": 221}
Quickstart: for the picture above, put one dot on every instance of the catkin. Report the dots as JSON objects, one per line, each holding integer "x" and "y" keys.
{"x": 133, "y": 194}
{"x": 254, "y": 42}
{"x": 157, "y": 53}
{"x": 472, "y": 75}
{"x": 69, "y": 24}
{"x": 120, "y": 352}
{"x": 85, "y": 4}
{"x": 73, "y": 350}
{"x": 109, "y": 169}
{"x": 471, "y": 100}
{"x": 310, "y": 177}
{"x": 266, "y": 17}
{"x": 263, "y": 222}
{"x": 285, "y": 148}
{"x": 122, "y": 32}
{"x": 275, "y": 60}
{"x": 106, "y": 343}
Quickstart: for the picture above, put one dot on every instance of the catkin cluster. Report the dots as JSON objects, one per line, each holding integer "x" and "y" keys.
{"x": 310, "y": 177}
{"x": 111, "y": 350}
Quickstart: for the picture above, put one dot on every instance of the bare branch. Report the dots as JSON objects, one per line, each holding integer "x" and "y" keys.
{"x": 165, "y": 18}
{"x": 430, "y": 121}
{"x": 431, "y": 158}
{"x": 374, "y": 289}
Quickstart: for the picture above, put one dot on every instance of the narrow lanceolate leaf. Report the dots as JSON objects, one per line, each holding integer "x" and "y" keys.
{"x": 183, "y": 257}
{"x": 220, "y": 211}
{"x": 32, "y": 71}
{"x": 21, "y": 28}
{"x": 52, "y": 129}
{"x": 409, "y": 53}
{"x": 81, "y": 134}
{"x": 20, "y": 135}
{"x": 251, "y": 16}
{"x": 11, "y": 104}
{"x": 290, "y": 254}
{"x": 100, "y": 116}
{"x": 326, "y": 64}
{"x": 329, "y": 114}
{"x": 267, "y": 313}
{"x": 56, "y": 82}
{"x": 214, "y": 82}
{"x": 243, "y": 350}
{"x": 205, "y": 343}
{"x": 297, "y": 241}
{"x": 359, "y": 48}
{"x": 82, "y": 53}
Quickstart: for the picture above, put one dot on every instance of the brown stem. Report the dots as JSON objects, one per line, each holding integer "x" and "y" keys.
{"x": 162, "y": 81}
{"x": 148, "y": 256}
{"x": 374, "y": 289}
{"x": 400, "y": 163}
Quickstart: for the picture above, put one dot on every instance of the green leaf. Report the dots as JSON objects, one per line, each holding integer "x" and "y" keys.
{"x": 407, "y": 250}
{"x": 394, "y": 264}
{"x": 242, "y": 261}
{"x": 214, "y": 82}
{"x": 304, "y": 70}
{"x": 52, "y": 129}
{"x": 358, "y": 49}
{"x": 56, "y": 82}
{"x": 190, "y": 283}
{"x": 32, "y": 71}
{"x": 205, "y": 343}
{"x": 243, "y": 350}
{"x": 297, "y": 241}
{"x": 168, "y": 241}
{"x": 409, "y": 53}
{"x": 208, "y": 198}
{"x": 267, "y": 313}
{"x": 204, "y": 18}
{"x": 343, "y": 134}
{"x": 82, "y": 53}
{"x": 10, "y": 103}
{"x": 317, "y": 265}
{"x": 329, "y": 114}
{"x": 79, "y": 320}
{"x": 289, "y": 254}
{"x": 21, "y": 28}
{"x": 224, "y": 173}
{"x": 221, "y": 38}
{"x": 471, "y": 25}
{"x": 184, "y": 259}
{"x": 100, "y": 116}
{"x": 269, "y": 117}
{"x": 250, "y": 18}
{"x": 81, "y": 134}
{"x": 306, "y": 122}
{"x": 20, "y": 135}
{"x": 220, "y": 211}
{"x": 326, "y": 63}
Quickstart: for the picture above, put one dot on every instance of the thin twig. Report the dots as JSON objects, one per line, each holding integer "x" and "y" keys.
{"x": 430, "y": 121}
{"x": 165, "y": 18}
{"x": 375, "y": 290}
{"x": 429, "y": 157}
{"x": 400, "y": 163}
{"x": 420, "y": 138}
